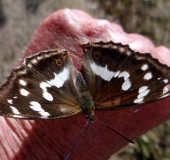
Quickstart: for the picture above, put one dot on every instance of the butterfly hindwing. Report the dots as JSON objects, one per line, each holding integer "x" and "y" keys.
{"x": 120, "y": 78}
{"x": 41, "y": 88}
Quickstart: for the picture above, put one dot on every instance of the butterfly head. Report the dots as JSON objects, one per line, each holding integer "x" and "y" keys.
{"x": 89, "y": 114}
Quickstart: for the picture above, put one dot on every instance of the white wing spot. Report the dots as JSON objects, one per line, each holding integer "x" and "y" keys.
{"x": 148, "y": 76}
{"x": 165, "y": 81}
{"x": 143, "y": 88}
{"x": 143, "y": 91}
{"x": 128, "y": 53}
{"x": 114, "y": 46}
{"x": 122, "y": 49}
{"x": 34, "y": 61}
{"x": 24, "y": 92}
{"x": 22, "y": 72}
{"x": 165, "y": 90}
{"x": 143, "y": 94}
{"x": 103, "y": 72}
{"x": 117, "y": 73}
{"x": 44, "y": 114}
{"x": 48, "y": 96}
{"x": 47, "y": 55}
{"x": 106, "y": 74}
{"x": 37, "y": 107}
{"x": 10, "y": 101}
{"x": 138, "y": 100}
{"x": 60, "y": 78}
{"x": 14, "y": 110}
{"x": 144, "y": 67}
{"x": 165, "y": 95}
{"x": 124, "y": 74}
{"x": 22, "y": 82}
{"x": 44, "y": 85}
{"x": 39, "y": 57}
{"x": 29, "y": 65}
{"x": 126, "y": 85}
{"x": 97, "y": 69}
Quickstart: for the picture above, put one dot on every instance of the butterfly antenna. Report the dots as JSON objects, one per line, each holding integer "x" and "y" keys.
{"x": 113, "y": 130}
{"x": 75, "y": 143}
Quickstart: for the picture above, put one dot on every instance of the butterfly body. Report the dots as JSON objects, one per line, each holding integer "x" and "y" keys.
{"x": 86, "y": 101}
{"x": 113, "y": 77}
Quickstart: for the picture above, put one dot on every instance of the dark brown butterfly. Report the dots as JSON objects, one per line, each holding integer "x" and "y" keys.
{"x": 113, "y": 77}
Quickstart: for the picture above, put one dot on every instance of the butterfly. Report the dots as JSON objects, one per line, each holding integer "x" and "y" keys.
{"x": 113, "y": 76}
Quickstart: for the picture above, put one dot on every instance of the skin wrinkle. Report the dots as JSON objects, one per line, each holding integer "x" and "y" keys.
{"x": 3, "y": 154}
{"x": 28, "y": 127}
{"x": 12, "y": 125}
{"x": 13, "y": 135}
{"x": 49, "y": 143}
{"x": 29, "y": 149}
{"x": 25, "y": 153}
{"x": 44, "y": 145}
{"x": 17, "y": 136}
{"x": 3, "y": 151}
{"x": 6, "y": 145}
{"x": 15, "y": 148}
{"x": 38, "y": 142}
{"x": 53, "y": 29}
{"x": 89, "y": 136}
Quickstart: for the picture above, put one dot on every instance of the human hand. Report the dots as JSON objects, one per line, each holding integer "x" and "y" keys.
{"x": 53, "y": 139}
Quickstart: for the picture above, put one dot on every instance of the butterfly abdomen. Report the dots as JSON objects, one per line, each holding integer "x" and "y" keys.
{"x": 86, "y": 102}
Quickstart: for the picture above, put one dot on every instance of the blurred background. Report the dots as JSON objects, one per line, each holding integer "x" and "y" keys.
{"x": 19, "y": 20}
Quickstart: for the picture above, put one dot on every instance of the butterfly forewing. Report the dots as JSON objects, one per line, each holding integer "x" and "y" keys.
{"x": 119, "y": 78}
{"x": 41, "y": 88}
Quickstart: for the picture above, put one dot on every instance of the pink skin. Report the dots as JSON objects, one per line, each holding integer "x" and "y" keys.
{"x": 52, "y": 139}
